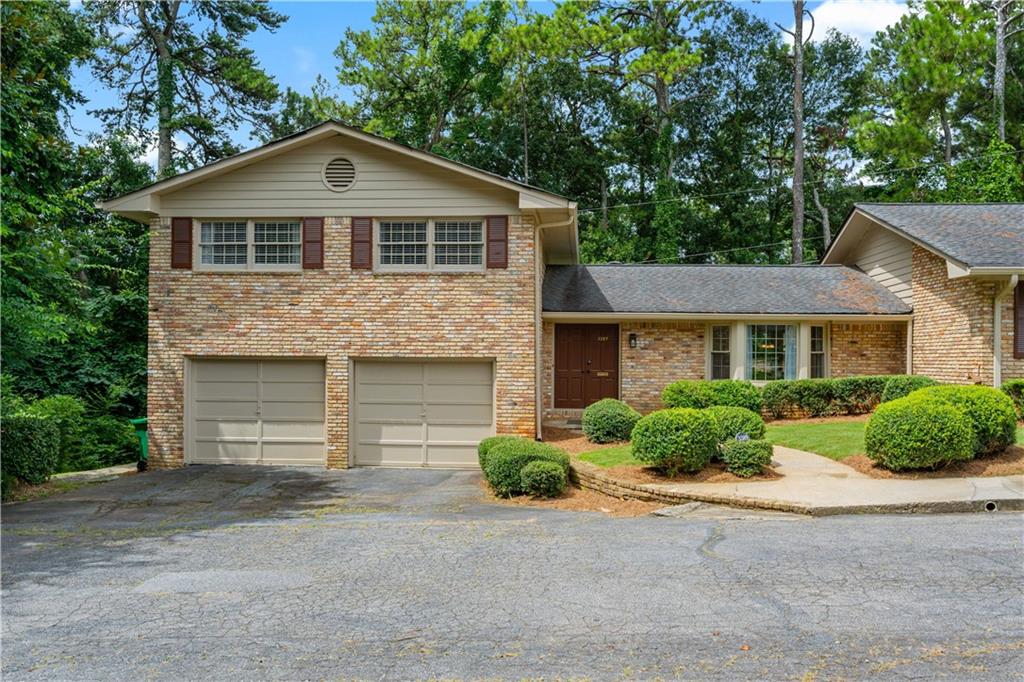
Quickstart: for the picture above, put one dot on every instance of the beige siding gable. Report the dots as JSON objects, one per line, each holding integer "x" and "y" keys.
{"x": 886, "y": 258}
{"x": 387, "y": 184}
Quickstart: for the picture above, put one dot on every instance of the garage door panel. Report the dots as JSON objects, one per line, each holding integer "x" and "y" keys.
{"x": 211, "y": 452}
{"x": 391, "y": 412}
{"x": 222, "y": 428}
{"x": 457, "y": 433}
{"x": 374, "y": 431}
{"x": 458, "y": 373}
{"x": 479, "y": 414}
{"x": 456, "y": 393}
{"x": 453, "y": 456}
{"x": 293, "y": 410}
{"x": 390, "y": 373}
{"x": 227, "y": 370}
{"x": 399, "y": 393}
{"x": 293, "y": 429}
{"x": 226, "y": 390}
{"x": 375, "y": 454}
{"x": 293, "y": 453}
{"x": 293, "y": 370}
{"x": 217, "y": 409}
{"x": 293, "y": 390}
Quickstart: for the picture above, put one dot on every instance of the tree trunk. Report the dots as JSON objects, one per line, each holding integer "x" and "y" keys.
{"x": 165, "y": 111}
{"x": 798, "y": 132}
{"x": 999, "y": 79}
{"x": 826, "y": 224}
{"x": 604, "y": 204}
{"x": 947, "y": 136}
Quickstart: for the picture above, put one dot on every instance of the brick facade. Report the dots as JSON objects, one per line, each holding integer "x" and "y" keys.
{"x": 340, "y": 314}
{"x": 868, "y": 348}
{"x": 952, "y": 336}
{"x": 1013, "y": 368}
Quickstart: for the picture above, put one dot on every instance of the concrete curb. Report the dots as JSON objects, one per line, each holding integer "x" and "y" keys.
{"x": 97, "y": 475}
{"x": 592, "y": 477}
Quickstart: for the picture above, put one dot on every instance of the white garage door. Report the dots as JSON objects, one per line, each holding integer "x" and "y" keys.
{"x": 256, "y": 412}
{"x": 429, "y": 414}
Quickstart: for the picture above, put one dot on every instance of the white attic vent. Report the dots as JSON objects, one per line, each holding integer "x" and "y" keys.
{"x": 339, "y": 174}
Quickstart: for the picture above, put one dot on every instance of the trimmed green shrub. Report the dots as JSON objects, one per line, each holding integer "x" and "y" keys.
{"x": 918, "y": 432}
{"x": 900, "y": 386}
{"x": 1015, "y": 389}
{"x": 505, "y": 462}
{"x": 31, "y": 447}
{"x": 815, "y": 396}
{"x": 488, "y": 444}
{"x": 67, "y": 413}
{"x": 746, "y": 457}
{"x": 700, "y": 394}
{"x": 543, "y": 479}
{"x": 860, "y": 394}
{"x": 993, "y": 418}
{"x": 609, "y": 420}
{"x": 733, "y": 421}
{"x": 674, "y": 440}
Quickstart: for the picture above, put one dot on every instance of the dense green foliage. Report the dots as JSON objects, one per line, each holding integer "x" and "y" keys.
{"x": 823, "y": 397}
{"x": 31, "y": 447}
{"x": 746, "y": 458}
{"x": 675, "y": 440}
{"x": 541, "y": 478}
{"x": 700, "y": 394}
{"x": 992, "y": 415}
{"x": 903, "y": 385}
{"x": 918, "y": 432}
{"x": 505, "y": 462}
{"x": 733, "y": 421}
{"x": 609, "y": 420}
{"x": 488, "y": 444}
{"x": 1015, "y": 389}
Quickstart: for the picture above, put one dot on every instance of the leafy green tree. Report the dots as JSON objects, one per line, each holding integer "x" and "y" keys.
{"x": 997, "y": 175}
{"x": 184, "y": 65}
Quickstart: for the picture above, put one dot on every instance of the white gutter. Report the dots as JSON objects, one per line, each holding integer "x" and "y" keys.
{"x": 837, "y": 317}
{"x": 997, "y": 330}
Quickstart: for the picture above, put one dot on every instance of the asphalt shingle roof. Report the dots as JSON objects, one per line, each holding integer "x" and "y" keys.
{"x": 725, "y": 289}
{"x": 974, "y": 234}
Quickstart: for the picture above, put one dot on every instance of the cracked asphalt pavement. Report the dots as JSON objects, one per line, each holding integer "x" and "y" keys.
{"x": 274, "y": 573}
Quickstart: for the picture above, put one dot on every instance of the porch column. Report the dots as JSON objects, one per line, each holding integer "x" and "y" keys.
{"x": 738, "y": 350}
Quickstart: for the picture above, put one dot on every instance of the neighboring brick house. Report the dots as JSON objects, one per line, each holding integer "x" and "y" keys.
{"x": 334, "y": 298}
{"x": 959, "y": 266}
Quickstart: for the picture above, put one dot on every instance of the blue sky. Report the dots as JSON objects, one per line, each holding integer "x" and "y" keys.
{"x": 304, "y": 46}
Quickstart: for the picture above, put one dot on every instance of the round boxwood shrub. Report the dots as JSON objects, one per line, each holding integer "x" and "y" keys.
{"x": 609, "y": 420}
{"x": 543, "y": 479}
{"x": 734, "y": 393}
{"x": 991, "y": 412}
{"x": 31, "y": 447}
{"x": 687, "y": 393}
{"x": 679, "y": 439}
{"x": 733, "y": 421}
{"x": 505, "y": 462}
{"x": 918, "y": 432}
{"x": 488, "y": 444}
{"x": 903, "y": 385}
{"x": 746, "y": 457}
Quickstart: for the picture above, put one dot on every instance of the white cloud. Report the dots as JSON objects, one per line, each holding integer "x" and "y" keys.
{"x": 858, "y": 18}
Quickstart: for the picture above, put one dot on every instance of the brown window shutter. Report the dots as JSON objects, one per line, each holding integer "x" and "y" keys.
{"x": 181, "y": 243}
{"x": 362, "y": 243}
{"x": 312, "y": 243}
{"x": 497, "y": 241}
{"x": 1018, "y": 321}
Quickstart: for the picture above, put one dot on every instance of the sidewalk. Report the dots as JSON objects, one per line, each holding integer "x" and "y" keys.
{"x": 815, "y": 485}
{"x": 97, "y": 475}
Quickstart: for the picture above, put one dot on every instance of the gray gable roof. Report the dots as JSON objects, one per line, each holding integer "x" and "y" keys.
{"x": 725, "y": 289}
{"x": 976, "y": 235}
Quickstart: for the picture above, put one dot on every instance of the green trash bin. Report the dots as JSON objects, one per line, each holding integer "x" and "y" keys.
{"x": 143, "y": 434}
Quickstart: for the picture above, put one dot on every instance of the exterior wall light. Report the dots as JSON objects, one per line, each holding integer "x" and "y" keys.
{"x": 632, "y": 340}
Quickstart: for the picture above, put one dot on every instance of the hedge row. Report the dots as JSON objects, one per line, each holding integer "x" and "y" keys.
{"x": 939, "y": 425}
{"x": 701, "y": 394}
{"x": 510, "y": 465}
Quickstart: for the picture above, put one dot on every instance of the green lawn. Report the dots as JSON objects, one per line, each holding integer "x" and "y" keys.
{"x": 835, "y": 440}
{"x": 609, "y": 457}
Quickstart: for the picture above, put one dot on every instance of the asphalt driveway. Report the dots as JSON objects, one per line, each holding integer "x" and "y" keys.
{"x": 262, "y": 573}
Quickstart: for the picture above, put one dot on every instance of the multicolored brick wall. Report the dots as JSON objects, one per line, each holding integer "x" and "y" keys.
{"x": 868, "y": 348}
{"x": 340, "y": 314}
{"x": 952, "y": 337}
{"x": 1013, "y": 368}
{"x": 665, "y": 352}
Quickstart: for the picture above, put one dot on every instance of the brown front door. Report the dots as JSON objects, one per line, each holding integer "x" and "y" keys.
{"x": 586, "y": 364}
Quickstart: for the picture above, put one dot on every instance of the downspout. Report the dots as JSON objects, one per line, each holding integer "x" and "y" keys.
{"x": 539, "y": 333}
{"x": 997, "y": 330}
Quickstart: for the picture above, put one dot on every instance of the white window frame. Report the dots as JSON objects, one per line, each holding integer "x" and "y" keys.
{"x": 250, "y": 246}
{"x": 826, "y": 352}
{"x": 431, "y": 244}
{"x": 800, "y": 366}
{"x": 710, "y": 336}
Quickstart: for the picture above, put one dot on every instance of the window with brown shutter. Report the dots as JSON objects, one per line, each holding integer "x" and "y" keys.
{"x": 312, "y": 243}
{"x": 362, "y": 243}
{"x": 181, "y": 243}
{"x": 1018, "y": 321}
{"x": 497, "y": 241}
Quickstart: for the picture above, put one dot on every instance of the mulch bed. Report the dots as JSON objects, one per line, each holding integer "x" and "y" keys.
{"x": 576, "y": 443}
{"x": 579, "y": 500}
{"x": 1008, "y": 462}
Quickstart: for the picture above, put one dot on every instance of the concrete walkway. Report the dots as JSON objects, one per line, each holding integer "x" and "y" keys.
{"x": 812, "y": 484}
{"x": 97, "y": 475}
{"x": 827, "y": 487}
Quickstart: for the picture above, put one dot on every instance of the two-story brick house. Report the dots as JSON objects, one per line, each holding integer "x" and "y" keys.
{"x": 334, "y": 298}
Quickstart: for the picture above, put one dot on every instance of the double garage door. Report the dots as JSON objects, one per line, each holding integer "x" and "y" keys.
{"x": 404, "y": 413}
